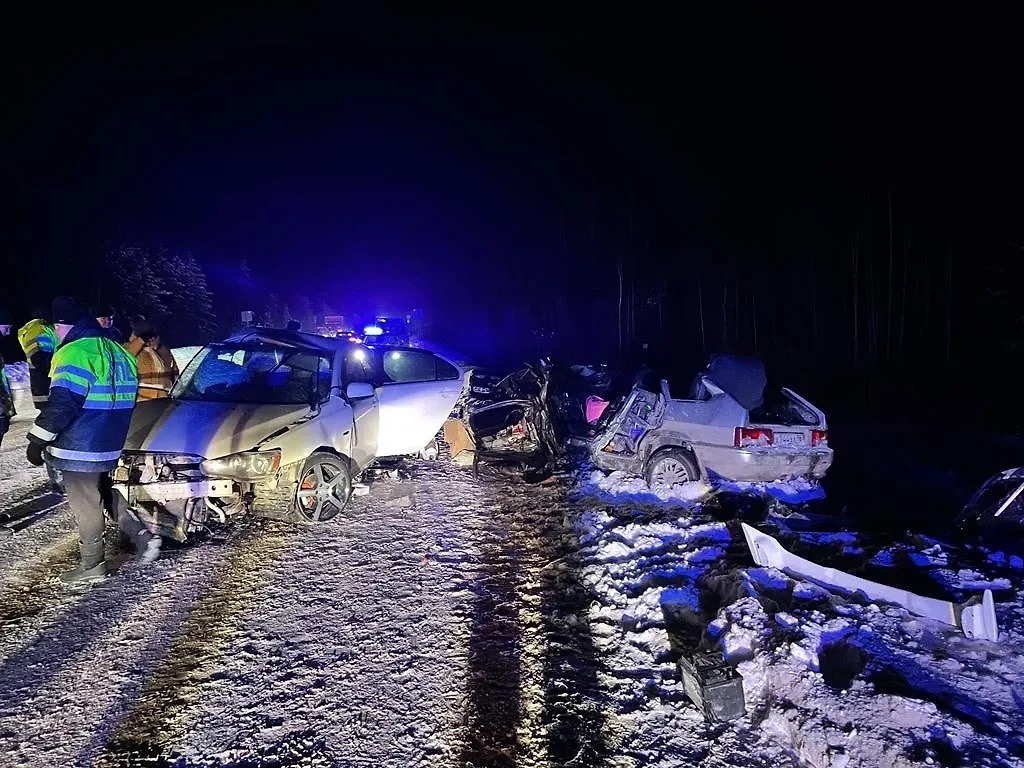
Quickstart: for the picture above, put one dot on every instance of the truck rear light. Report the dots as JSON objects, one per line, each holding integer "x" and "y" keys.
{"x": 752, "y": 438}
{"x": 819, "y": 437}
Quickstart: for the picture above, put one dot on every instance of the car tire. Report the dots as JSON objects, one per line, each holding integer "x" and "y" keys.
{"x": 670, "y": 468}
{"x": 324, "y": 487}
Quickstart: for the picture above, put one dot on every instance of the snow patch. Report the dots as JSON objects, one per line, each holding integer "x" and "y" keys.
{"x": 622, "y": 486}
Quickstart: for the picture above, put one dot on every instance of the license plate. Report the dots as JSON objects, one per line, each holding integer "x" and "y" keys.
{"x": 789, "y": 439}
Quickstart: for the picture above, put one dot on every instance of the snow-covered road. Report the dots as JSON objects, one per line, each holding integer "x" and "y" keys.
{"x": 418, "y": 631}
{"x": 453, "y": 621}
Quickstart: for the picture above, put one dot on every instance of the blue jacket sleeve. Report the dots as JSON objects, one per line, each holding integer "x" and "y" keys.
{"x": 64, "y": 406}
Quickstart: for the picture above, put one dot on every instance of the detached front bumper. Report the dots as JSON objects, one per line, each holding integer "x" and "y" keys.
{"x": 765, "y": 466}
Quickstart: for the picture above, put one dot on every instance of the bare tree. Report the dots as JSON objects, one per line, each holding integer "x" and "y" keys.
{"x": 854, "y": 257}
{"x": 903, "y": 300}
{"x": 949, "y": 301}
{"x": 725, "y": 314}
{"x": 700, "y": 309}
{"x": 888, "y": 318}
{"x": 619, "y": 269}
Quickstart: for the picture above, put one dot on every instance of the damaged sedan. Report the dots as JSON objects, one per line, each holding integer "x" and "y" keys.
{"x": 723, "y": 429}
{"x": 277, "y": 421}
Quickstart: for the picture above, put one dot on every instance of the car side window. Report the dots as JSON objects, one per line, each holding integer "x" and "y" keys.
{"x": 359, "y": 366}
{"x": 445, "y": 370}
{"x": 404, "y": 366}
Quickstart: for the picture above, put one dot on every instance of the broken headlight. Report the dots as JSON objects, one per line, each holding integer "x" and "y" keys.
{"x": 249, "y": 465}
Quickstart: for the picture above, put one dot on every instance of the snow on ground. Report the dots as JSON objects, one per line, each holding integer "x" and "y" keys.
{"x": 827, "y": 681}
{"x": 621, "y": 486}
{"x": 19, "y": 479}
{"x": 454, "y": 621}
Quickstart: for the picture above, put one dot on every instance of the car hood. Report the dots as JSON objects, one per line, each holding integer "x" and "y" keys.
{"x": 206, "y": 429}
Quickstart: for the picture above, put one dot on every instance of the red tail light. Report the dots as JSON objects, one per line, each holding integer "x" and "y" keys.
{"x": 752, "y": 438}
{"x": 819, "y": 437}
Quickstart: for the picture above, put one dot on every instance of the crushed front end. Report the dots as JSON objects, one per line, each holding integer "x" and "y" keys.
{"x": 176, "y": 495}
{"x": 617, "y": 444}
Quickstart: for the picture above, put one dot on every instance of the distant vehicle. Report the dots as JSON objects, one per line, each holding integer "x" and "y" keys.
{"x": 388, "y": 330}
{"x": 349, "y": 336}
{"x": 278, "y": 421}
{"x": 722, "y": 429}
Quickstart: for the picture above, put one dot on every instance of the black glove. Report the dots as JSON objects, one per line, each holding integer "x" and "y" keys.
{"x": 34, "y": 452}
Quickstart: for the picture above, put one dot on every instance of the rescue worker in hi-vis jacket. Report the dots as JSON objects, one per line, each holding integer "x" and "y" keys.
{"x": 93, "y": 386}
{"x": 38, "y": 339}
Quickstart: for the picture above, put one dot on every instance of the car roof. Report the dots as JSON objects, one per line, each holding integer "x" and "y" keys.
{"x": 293, "y": 339}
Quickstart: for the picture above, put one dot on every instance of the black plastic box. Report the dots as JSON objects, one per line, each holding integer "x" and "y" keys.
{"x": 713, "y": 685}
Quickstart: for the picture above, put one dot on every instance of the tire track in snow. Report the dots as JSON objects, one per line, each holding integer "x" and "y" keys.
{"x": 534, "y": 691}
{"x": 357, "y": 646}
{"x": 159, "y": 716}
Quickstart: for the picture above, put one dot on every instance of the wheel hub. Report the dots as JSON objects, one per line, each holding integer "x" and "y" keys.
{"x": 671, "y": 473}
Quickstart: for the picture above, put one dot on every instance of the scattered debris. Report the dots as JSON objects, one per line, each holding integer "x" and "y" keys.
{"x": 713, "y": 685}
{"x": 977, "y": 618}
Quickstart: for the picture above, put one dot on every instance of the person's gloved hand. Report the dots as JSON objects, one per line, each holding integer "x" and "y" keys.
{"x": 34, "y": 452}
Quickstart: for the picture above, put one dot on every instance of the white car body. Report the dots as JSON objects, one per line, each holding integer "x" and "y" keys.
{"x": 215, "y": 442}
{"x": 710, "y": 434}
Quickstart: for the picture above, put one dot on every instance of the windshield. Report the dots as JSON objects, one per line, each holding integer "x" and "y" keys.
{"x": 256, "y": 374}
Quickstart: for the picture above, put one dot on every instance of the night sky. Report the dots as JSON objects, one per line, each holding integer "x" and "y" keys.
{"x": 390, "y": 162}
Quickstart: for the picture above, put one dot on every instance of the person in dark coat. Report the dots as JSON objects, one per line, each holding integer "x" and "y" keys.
{"x": 93, "y": 387}
{"x": 104, "y": 314}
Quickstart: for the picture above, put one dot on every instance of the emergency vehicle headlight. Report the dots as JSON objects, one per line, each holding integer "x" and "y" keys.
{"x": 249, "y": 465}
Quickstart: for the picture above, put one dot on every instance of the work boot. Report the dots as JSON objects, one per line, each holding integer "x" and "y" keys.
{"x": 91, "y": 567}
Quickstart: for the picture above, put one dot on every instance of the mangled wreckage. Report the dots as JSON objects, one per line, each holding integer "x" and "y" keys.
{"x": 724, "y": 428}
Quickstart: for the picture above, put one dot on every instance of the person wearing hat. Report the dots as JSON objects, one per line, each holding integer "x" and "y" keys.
{"x": 104, "y": 314}
{"x": 38, "y": 339}
{"x": 92, "y": 393}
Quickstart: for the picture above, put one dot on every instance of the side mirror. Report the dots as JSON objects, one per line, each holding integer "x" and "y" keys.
{"x": 357, "y": 390}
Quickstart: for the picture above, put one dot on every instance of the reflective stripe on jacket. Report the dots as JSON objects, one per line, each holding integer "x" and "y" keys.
{"x": 92, "y": 392}
{"x": 38, "y": 339}
{"x": 36, "y": 336}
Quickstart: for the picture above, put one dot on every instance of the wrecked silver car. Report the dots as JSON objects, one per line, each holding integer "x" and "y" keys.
{"x": 723, "y": 429}
{"x": 279, "y": 422}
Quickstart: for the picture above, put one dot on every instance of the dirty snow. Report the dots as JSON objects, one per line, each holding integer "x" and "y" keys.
{"x": 827, "y": 681}
{"x": 455, "y": 621}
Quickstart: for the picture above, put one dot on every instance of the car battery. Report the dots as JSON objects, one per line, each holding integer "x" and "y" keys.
{"x": 713, "y": 685}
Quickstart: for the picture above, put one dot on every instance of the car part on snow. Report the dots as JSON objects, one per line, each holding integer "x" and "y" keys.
{"x": 976, "y": 618}
{"x": 713, "y": 685}
{"x": 325, "y": 486}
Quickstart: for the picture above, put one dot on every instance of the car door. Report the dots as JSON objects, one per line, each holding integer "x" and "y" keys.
{"x": 358, "y": 367}
{"x": 417, "y": 392}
